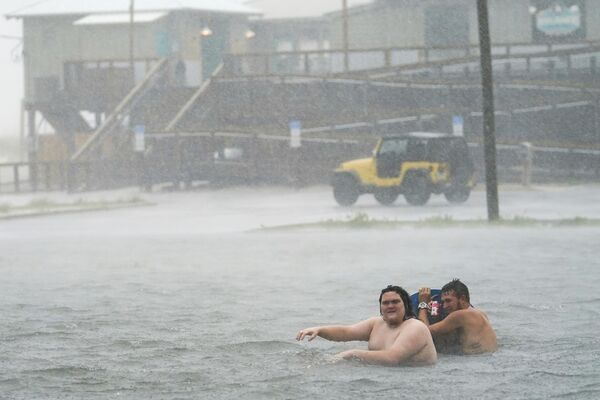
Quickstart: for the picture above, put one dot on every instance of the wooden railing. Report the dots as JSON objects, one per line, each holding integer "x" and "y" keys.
{"x": 327, "y": 62}
{"x": 197, "y": 94}
{"x": 25, "y": 177}
{"x": 121, "y": 110}
{"x": 192, "y": 156}
{"x": 22, "y": 177}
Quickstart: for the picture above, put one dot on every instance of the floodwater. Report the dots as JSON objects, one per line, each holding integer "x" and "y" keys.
{"x": 112, "y": 305}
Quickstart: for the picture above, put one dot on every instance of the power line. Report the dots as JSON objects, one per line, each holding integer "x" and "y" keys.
{"x": 28, "y": 6}
{"x": 9, "y": 37}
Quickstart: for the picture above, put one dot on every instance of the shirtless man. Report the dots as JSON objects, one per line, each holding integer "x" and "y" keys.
{"x": 465, "y": 330}
{"x": 395, "y": 337}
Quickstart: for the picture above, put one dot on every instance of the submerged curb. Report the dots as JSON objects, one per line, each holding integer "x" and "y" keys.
{"x": 76, "y": 209}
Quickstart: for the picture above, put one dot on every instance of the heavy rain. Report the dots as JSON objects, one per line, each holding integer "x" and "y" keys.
{"x": 186, "y": 186}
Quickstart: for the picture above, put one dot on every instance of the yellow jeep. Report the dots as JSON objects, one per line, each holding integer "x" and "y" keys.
{"x": 414, "y": 164}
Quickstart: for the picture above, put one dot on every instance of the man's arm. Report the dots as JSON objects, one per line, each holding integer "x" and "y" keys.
{"x": 340, "y": 333}
{"x": 424, "y": 297}
{"x": 447, "y": 325}
{"x": 408, "y": 343}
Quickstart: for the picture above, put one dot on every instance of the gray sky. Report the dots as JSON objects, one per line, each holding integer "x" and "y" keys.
{"x": 11, "y": 71}
{"x": 11, "y": 67}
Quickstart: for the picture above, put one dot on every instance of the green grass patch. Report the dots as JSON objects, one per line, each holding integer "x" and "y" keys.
{"x": 361, "y": 220}
{"x": 41, "y": 204}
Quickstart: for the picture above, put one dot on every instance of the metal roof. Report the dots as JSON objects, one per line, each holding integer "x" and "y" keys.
{"x": 79, "y": 7}
{"x": 282, "y": 9}
{"x": 119, "y": 18}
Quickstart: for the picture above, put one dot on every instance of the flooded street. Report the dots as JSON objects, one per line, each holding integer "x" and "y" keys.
{"x": 235, "y": 130}
{"x": 189, "y": 298}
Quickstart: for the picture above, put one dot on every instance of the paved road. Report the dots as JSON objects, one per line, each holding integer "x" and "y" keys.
{"x": 241, "y": 209}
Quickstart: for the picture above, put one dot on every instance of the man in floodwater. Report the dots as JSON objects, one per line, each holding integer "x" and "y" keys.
{"x": 396, "y": 337}
{"x": 465, "y": 330}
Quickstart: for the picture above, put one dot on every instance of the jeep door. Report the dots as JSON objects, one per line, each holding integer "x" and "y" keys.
{"x": 390, "y": 156}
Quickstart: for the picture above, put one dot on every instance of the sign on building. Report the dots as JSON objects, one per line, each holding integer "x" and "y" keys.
{"x": 558, "y": 20}
{"x": 295, "y": 134}
{"x": 139, "y": 144}
{"x": 458, "y": 124}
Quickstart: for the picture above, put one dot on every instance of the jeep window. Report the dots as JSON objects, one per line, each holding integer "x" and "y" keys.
{"x": 395, "y": 147}
{"x": 439, "y": 150}
{"x": 416, "y": 150}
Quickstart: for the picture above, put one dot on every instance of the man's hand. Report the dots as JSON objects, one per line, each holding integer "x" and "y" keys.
{"x": 311, "y": 333}
{"x": 424, "y": 295}
{"x": 348, "y": 355}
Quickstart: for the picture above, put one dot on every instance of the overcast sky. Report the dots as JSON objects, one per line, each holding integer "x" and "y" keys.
{"x": 11, "y": 67}
{"x": 11, "y": 70}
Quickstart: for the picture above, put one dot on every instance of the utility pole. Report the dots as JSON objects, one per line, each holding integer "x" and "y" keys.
{"x": 345, "y": 33}
{"x": 131, "y": 41}
{"x": 489, "y": 139}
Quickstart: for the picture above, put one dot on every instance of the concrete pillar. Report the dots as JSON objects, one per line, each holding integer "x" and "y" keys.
{"x": 527, "y": 163}
{"x": 32, "y": 146}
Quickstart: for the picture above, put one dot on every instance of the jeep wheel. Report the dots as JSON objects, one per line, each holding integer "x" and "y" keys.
{"x": 457, "y": 194}
{"x": 345, "y": 190}
{"x": 417, "y": 190}
{"x": 386, "y": 196}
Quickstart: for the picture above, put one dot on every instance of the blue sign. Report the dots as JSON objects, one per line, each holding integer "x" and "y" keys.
{"x": 139, "y": 143}
{"x": 458, "y": 123}
{"x": 295, "y": 132}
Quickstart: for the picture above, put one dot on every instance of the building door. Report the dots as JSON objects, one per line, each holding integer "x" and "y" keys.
{"x": 212, "y": 48}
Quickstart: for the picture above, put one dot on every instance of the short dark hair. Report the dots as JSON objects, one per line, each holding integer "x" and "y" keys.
{"x": 408, "y": 312}
{"x": 459, "y": 289}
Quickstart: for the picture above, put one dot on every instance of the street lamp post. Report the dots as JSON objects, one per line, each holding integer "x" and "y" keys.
{"x": 489, "y": 140}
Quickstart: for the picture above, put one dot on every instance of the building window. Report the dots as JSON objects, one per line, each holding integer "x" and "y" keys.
{"x": 446, "y": 26}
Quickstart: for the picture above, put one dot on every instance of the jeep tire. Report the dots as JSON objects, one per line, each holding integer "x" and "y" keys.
{"x": 416, "y": 190}
{"x": 345, "y": 190}
{"x": 457, "y": 194}
{"x": 386, "y": 196}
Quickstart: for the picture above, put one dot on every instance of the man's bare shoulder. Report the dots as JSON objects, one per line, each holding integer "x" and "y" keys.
{"x": 476, "y": 311}
{"x": 415, "y": 324}
{"x": 411, "y": 324}
{"x": 470, "y": 314}
{"x": 374, "y": 322}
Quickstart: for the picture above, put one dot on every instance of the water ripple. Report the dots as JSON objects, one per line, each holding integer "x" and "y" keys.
{"x": 67, "y": 370}
{"x": 265, "y": 346}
